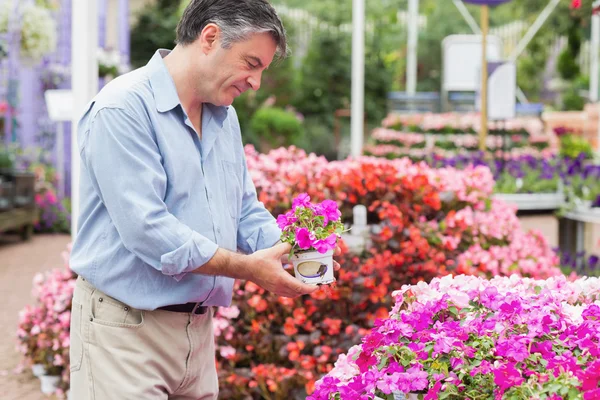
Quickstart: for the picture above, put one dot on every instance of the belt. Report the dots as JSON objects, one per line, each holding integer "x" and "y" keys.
{"x": 194, "y": 308}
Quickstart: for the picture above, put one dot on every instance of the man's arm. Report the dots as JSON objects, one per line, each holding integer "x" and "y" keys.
{"x": 123, "y": 162}
{"x": 262, "y": 267}
{"x": 257, "y": 227}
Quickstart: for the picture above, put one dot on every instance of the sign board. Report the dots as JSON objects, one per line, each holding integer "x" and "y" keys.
{"x": 502, "y": 90}
{"x": 462, "y": 60}
{"x": 59, "y": 104}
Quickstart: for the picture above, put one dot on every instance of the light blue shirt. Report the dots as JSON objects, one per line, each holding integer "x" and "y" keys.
{"x": 156, "y": 201}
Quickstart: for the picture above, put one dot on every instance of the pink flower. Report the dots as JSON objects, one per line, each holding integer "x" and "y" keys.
{"x": 329, "y": 210}
{"x": 323, "y": 246}
{"x": 51, "y": 197}
{"x": 304, "y": 238}
{"x": 229, "y": 312}
{"x": 302, "y": 200}
{"x": 287, "y": 219}
{"x": 512, "y": 349}
{"x": 227, "y": 352}
{"x": 507, "y": 376}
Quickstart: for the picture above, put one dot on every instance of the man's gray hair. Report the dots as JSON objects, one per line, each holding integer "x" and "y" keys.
{"x": 237, "y": 19}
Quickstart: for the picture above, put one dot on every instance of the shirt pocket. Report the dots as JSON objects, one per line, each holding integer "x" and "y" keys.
{"x": 233, "y": 187}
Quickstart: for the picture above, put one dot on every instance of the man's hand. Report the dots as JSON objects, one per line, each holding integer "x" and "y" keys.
{"x": 270, "y": 275}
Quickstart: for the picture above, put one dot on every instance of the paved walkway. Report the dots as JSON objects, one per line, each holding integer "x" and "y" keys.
{"x": 19, "y": 262}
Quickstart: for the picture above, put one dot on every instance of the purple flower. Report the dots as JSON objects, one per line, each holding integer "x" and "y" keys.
{"x": 304, "y": 238}
{"x": 512, "y": 348}
{"x": 443, "y": 344}
{"x": 507, "y": 376}
{"x": 323, "y": 246}
{"x": 328, "y": 209}
{"x": 418, "y": 379}
{"x": 303, "y": 200}
{"x": 489, "y": 298}
{"x": 287, "y": 219}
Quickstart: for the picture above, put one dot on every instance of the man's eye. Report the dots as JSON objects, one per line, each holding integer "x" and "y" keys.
{"x": 251, "y": 66}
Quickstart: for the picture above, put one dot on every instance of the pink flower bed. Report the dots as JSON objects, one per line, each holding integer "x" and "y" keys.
{"x": 468, "y": 337}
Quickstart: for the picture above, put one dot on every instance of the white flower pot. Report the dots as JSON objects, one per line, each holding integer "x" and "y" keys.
{"x": 314, "y": 268}
{"x": 49, "y": 383}
{"x": 38, "y": 370}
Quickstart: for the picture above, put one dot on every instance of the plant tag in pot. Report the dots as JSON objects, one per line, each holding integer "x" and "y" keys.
{"x": 313, "y": 231}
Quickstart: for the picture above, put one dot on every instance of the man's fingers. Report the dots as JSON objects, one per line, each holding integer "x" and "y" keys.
{"x": 337, "y": 251}
{"x": 336, "y": 266}
{"x": 296, "y": 287}
{"x": 283, "y": 249}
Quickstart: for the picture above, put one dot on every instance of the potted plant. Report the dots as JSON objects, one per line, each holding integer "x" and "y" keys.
{"x": 313, "y": 231}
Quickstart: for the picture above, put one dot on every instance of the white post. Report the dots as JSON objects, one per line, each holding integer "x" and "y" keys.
{"x": 534, "y": 28}
{"x": 60, "y": 158}
{"x": 358, "y": 77}
{"x": 594, "y": 47}
{"x": 467, "y": 16}
{"x": 413, "y": 35}
{"x": 84, "y": 83}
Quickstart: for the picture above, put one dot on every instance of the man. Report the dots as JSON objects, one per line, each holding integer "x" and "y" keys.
{"x": 166, "y": 201}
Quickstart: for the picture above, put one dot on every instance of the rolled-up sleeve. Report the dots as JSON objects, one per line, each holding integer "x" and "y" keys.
{"x": 124, "y": 164}
{"x": 257, "y": 228}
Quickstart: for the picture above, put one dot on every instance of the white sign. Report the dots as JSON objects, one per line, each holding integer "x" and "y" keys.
{"x": 502, "y": 90}
{"x": 462, "y": 60}
{"x": 59, "y": 104}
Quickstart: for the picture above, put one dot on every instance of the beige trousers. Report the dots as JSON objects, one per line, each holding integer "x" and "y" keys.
{"x": 121, "y": 353}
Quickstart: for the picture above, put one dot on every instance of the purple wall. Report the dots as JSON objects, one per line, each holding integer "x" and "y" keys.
{"x": 31, "y": 109}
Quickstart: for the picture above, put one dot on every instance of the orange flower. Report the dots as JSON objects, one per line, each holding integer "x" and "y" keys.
{"x": 258, "y": 303}
{"x": 289, "y": 328}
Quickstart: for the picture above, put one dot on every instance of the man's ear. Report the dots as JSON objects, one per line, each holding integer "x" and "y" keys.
{"x": 209, "y": 38}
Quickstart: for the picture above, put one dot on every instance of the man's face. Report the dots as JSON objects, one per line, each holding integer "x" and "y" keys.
{"x": 239, "y": 68}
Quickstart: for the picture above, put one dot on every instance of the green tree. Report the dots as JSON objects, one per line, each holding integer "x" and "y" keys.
{"x": 154, "y": 29}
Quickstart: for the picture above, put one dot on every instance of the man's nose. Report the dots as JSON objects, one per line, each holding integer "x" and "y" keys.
{"x": 254, "y": 81}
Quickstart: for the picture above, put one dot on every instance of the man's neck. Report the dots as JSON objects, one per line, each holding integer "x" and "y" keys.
{"x": 178, "y": 67}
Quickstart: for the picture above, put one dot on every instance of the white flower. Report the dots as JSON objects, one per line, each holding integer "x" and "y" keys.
{"x": 37, "y": 30}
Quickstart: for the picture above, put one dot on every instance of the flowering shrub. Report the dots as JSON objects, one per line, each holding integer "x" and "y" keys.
{"x": 43, "y": 329}
{"x": 467, "y": 337}
{"x": 37, "y": 28}
{"x": 269, "y": 347}
{"x": 54, "y": 212}
{"x": 276, "y": 347}
{"x": 310, "y": 226}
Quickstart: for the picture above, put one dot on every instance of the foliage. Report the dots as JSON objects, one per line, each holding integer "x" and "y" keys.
{"x": 275, "y": 127}
{"x": 326, "y": 81}
{"x": 6, "y": 158}
{"x": 55, "y": 212}
{"x": 572, "y": 145}
{"x": 467, "y": 337}
{"x": 154, "y": 29}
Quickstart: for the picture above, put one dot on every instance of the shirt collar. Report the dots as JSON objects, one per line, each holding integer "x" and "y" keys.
{"x": 165, "y": 93}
